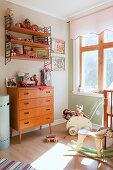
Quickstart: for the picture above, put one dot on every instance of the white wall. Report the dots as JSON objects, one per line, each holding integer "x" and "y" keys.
{"x": 59, "y": 30}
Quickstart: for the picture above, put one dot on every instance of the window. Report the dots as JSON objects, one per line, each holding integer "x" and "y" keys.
{"x": 90, "y": 70}
{"x": 96, "y": 61}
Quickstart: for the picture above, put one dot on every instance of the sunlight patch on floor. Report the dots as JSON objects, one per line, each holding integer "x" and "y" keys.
{"x": 55, "y": 158}
{"x": 87, "y": 161}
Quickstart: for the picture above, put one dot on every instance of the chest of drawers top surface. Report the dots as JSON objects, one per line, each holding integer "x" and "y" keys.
{"x": 31, "y": 92}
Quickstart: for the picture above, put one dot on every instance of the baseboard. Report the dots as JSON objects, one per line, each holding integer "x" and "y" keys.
{"x": 56, "y": 122}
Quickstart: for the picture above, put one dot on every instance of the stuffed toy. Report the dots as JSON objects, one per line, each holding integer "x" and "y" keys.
{"x": 67, "y": 114}
{"x": 80, "y": 111}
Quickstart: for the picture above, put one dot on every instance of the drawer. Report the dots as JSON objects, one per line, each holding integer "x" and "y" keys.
{"x": 27, "y": 104}
{"x": 47, "y": 119}
{"x": 47, "y": 92}
{"x": 32, "y": 103}
{"x": 46, "y": 110}
{"x": 29, "y": 113}
{"x": 28, "y": 93}
{"x": 29, "y": 123}
{"x": 46, "y": 101}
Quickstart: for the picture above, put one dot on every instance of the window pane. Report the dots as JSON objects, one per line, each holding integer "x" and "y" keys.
{"x": 108, "y": 36}
{"x": 90, "y": 70}
{"x": 108, "y": 68}
{"x": 91, "y": 39}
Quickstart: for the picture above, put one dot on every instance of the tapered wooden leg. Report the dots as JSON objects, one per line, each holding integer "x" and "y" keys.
{"x": 98, "y": 143}
{"x": 20, "y": 135}
{"x": 50, "y": 127}
{"x": 80, "y": 141}
{"x": 40, "y": 127}
{"x": 11, "y": 131}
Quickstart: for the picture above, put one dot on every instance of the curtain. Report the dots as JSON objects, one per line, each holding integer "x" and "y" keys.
{"x": 94, "y": 23}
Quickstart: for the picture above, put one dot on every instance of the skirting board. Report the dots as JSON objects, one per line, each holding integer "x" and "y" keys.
{"x": 109, "y": 141}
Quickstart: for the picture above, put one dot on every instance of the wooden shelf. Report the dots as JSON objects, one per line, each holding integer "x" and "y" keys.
{"x": 31, "y": 44}
{"x": 29, "y": 58}
{"x": 27, "y": 31}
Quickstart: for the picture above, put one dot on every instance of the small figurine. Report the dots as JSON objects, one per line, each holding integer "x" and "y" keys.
{"x": 12, "y": 53}
{"x": 10, "y": 14}
{"x": 35, "y": 79}
{"x": 26, "y": 77}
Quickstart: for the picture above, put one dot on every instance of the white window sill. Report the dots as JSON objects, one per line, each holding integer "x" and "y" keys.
{"x": 87, "y": 94}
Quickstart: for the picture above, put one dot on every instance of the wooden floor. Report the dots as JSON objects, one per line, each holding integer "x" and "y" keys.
{"x": 34, "y": 149}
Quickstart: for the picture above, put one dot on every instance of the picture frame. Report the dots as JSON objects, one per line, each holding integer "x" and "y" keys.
{"x": 11, "y": 82}
{"x": 58, "y": 46}
{"x": 58, "y": 63}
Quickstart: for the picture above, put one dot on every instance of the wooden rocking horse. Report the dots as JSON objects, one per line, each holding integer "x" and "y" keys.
{"x": 98, "y": 136}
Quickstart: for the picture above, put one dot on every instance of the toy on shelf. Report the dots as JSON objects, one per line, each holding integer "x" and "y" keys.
{"x": 51, "y": 138}
{"x": 27, "y": 23}
{"x": 10, "y": 15}
{"x": 76, "y": 121}
{"x": 98, "y": 137}
{"x": 34, "y": 27}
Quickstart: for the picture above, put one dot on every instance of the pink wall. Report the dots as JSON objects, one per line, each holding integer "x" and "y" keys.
{"x": 96, "y": 22}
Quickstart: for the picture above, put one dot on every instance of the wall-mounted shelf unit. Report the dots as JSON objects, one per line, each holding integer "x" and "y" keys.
{"x": 29, "y": 32}
{"x": 39, "y": 39}
{"x": 23, "y": 57}
{"x": 30, "y": 44}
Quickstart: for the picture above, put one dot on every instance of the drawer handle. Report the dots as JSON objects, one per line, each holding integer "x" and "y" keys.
{"x": 47, "y": 91}
{"x": 26, "y": 123}
{"x": 26, "y": 103}
{"x": 47, "y": 100}
{"x": 47, "y": 117}
{"x": 26, "y": 113}
{"x": 26, "y": 93}
{"x": 47, "y": 109}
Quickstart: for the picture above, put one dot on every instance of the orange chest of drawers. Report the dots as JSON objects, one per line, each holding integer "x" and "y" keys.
{"x": 30, "y": 107}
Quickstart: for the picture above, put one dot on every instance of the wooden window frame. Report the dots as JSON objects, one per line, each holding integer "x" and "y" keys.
{"x": 100, "y": 47}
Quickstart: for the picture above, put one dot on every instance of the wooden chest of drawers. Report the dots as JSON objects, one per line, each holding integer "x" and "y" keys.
{"x": 30, "y": 107}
